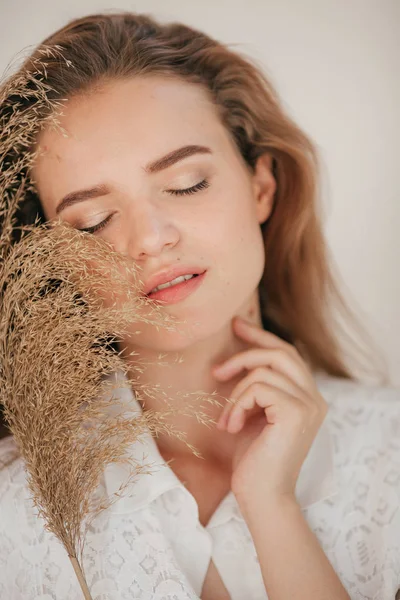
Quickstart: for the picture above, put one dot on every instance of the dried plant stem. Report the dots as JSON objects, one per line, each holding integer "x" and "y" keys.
{"x": 81, "y": 579}
{"x": 69, "y": 301}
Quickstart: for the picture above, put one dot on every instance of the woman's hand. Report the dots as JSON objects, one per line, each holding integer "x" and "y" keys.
{"x": 276, "y": 415}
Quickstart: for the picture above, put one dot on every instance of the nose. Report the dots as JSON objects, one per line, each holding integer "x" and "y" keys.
{"x": 149, "y": 231}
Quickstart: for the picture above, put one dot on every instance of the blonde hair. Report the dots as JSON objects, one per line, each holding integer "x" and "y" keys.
{"x": 298, "y": 292}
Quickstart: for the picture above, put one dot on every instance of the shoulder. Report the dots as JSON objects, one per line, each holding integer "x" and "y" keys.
{"x": 14, "y": 513}
{"x": 14, "y": 490}
{"x": 364, "y": 419}
{"x": 19, "y": 520}
{"x": 359, "y": 405}
{"x": 360, "y": 525}
{"x": 338, "y": 388}
{"x": 32, "y": 560}
{"x": 12, "y": 466}
{"x": 364, "y": 425}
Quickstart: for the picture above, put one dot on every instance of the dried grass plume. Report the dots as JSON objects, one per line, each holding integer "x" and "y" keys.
{"x": 56, "y": 335}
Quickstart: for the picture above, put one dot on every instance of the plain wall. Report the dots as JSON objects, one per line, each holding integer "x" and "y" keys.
{"x": 335, "y": 64}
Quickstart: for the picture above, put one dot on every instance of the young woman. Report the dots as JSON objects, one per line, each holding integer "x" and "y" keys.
{"x": 179, "y": 153}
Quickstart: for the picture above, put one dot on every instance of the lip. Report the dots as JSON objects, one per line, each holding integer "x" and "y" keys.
{"x": 178, "y": 292}
{"x": 170, "y": 274}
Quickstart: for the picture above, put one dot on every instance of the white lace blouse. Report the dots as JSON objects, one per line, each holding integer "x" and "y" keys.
{"x": 150, "y": 544}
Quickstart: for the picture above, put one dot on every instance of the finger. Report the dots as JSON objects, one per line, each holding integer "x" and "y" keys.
{"x": 236, "y": 414}
{"x": 244, "y": 408}
{"x": 274, "y": 402}
{"x": 223, "y": 418}
{"x": 276, "y": 358}
{"x": 266, "y": 375}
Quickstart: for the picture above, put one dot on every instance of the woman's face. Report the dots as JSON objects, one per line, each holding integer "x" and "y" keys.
{"x": 113, "y": 136}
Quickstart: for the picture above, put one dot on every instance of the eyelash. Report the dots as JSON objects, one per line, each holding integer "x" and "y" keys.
{"x": 192, "y": 190}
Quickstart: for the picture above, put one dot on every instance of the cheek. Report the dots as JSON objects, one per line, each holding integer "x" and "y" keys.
{"x": 235, "y": 227}
{"x": 236, "y": 248}
{"x": 246, "y": 247}
{"x": 229, "y": 213}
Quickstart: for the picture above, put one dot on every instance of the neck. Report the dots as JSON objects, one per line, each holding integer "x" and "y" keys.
{"x": 181, "y": 381}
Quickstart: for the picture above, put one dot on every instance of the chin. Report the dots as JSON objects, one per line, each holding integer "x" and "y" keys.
{"x": 161, "y": 340}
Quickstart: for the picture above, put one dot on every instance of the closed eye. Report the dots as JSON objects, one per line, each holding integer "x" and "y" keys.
{"x": 195, "y": 188}
{"x": 179, "y": 192}
{"x": 99, "y": 226}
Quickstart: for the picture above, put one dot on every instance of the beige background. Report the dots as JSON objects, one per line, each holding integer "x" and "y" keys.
{"x": 336, "y": 66}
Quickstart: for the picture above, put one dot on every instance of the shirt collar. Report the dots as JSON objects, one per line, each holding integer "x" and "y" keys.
{"x": 317, "y": 479}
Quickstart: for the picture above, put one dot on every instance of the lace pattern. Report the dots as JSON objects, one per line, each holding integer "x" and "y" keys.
{"x": 157, "y": 549}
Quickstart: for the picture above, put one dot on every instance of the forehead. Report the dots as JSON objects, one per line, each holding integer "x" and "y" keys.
{"x": 143, "y": 116}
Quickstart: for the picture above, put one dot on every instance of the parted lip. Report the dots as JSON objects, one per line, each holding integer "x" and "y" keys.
{"x": 169, "y": 274}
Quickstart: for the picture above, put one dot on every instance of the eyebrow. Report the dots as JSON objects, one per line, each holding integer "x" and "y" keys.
{"x": 154, "y": 167}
